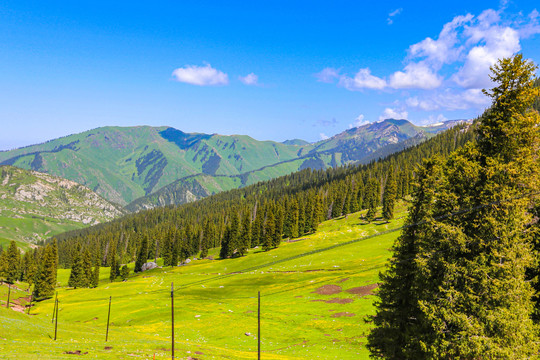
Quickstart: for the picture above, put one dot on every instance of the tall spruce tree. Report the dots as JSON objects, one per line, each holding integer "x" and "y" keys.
{"x": 269, "y": 231}
{"x": 77, "y": 276}
{"x": 389, "y": 196}
{"x": 95, "y": 273}
{"x": 87, "y": 268}
{"x": 371, "y": 200}
{"x": 457, "y": 285}
{"x": 13, "y": 258}
{"x": 142, "y": 254}
{"x": 244, "y": 242}
{"x": 46, "y": 277}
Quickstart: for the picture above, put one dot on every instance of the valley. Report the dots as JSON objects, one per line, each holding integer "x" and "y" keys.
{"x": 313, "y": 306}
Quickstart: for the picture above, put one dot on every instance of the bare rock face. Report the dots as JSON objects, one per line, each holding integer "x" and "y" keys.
{"x": 149, "y": 266}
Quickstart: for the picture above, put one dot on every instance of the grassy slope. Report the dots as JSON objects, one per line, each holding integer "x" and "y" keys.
{"x": 215, "y": 307}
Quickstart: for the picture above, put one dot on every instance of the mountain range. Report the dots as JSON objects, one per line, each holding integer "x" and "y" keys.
{"x": 143, "y": 167}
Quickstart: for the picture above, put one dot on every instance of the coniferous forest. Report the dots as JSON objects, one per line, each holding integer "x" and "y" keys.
{"x": 258, "y": 215}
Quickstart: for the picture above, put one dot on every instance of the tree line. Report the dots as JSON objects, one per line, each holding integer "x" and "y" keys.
{"x": 259, "y": 215}
{"x": 37, "y": 267}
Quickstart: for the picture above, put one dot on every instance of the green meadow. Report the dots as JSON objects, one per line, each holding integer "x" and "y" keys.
{"x": 315, "y": 296}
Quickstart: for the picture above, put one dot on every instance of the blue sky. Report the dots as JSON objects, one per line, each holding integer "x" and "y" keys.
{"x": 273, "y": 70}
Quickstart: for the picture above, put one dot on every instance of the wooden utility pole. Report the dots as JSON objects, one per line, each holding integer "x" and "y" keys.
{"x": 172, "y": 317}
{"x": 56, "y": 320}
{"x": 8, "y": 294}
{"x": 259, "y": 329}
{"x": 54, "y": 308}
{"x": 31, "y": 299}
{"x": 108, "y": 318}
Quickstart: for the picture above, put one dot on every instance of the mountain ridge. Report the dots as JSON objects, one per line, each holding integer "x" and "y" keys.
{"x": 124, "y": 164}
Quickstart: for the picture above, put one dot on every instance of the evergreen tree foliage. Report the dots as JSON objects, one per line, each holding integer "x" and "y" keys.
{"x": 3, "y": 264}
{"x": 13, "y": 259}
{"x": 269, "y": 231}
{"x": 371, "y": 199}
{"x": 46, "y": 278}
{"x": 87, "y": 269}
{"x": 77, "y": 276}
{"x": 457, "y": 286}
{"x": 95, "y": 273}
{"x": 245, "y": 234}
{"x": 124, "y": 272}
{"x": 389, "y": 196}
{"x": 142, "y": 254}
{"x": 114, "y": 263}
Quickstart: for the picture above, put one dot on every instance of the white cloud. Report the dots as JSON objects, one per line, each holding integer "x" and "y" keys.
{"x": 491, "y": 41}
{"x": 530, "y": 27}
{"x": 362, "y": 79}
{"x": 444, "y": 49}
{"x": 448, "y": 71}
{"x": 249, "y": 79}
{"x": 327, "y": 75}
{"x": 390, "y": 113}
{"x": 359, "y": 121}
{"x": 415, "y": 76}
{"x": 323, "y": 136}
{"x": 391, "y": 15}
{"x": 421, "y": 104}
{"x": 200, "y": 75}
{"x": 450, "y": 100}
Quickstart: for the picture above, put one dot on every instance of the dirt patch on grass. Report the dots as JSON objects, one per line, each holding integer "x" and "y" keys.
{"x": 363, "y": 290}
{"x": 76, "y": 352}
{"x": 328, "y": 290}
{"x": 341, "y": 314}
{"x": 339, "y": 301}
{"x": 295, "y": 240}
{"x": 343, "y": 280}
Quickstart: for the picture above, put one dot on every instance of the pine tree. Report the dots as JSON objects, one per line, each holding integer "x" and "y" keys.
{"x": 142, "y": 254}
{"x": 371, "y": 200}
{"x": 166, "y": 249}
{"x": 95, "y": 273}
{"x": 4, "y": 265}
{"x": 269, "y": 231}
{"x": 245, "y": 234}
{"x": 468, "y": 295}
{"x": 124, "y": 272}
{"x": 13, "y": 259}
{"x": 87, "y": 269}
{"x": 46, "y": 277}
{"x": 77, "y": 276}
{"x": 294, "y": 217}
{"x": 389, "y": 197}
{"x": 225, "y": 244}
{"x": 257, "y": 226}
{"x": 278, "y": 227}
{"x": 114, "y": 263}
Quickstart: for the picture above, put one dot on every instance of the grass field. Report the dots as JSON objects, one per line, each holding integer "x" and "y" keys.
{"x": 216, "y": 304}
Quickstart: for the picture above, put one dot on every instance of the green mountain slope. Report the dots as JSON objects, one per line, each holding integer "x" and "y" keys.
{"x": 35, "y": 206}
{"x": 125, "y": 164}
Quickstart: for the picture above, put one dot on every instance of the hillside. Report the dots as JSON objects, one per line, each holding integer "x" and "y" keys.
{"x": 313, "y": 301}
{"x": 35, "y": 206}
{"x": 125, "y": 164}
